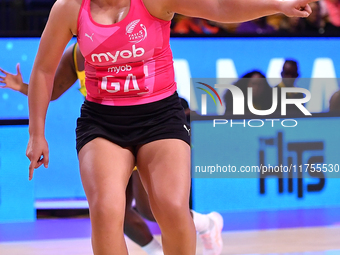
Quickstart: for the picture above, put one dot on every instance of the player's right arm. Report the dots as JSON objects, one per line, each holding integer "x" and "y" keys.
{"x": 60, "y": 28}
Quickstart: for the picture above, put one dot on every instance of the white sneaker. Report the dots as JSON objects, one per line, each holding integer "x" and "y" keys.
{"x": 212, "y": 239}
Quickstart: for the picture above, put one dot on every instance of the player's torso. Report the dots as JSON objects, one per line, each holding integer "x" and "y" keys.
{"x": 137, "y": 37}
{"x": 123, "y": 59}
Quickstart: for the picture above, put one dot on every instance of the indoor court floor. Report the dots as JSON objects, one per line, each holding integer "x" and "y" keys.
{"x": 303, "y": 232}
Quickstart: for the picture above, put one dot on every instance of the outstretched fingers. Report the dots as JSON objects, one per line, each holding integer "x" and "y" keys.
{"x": 2, "y": 81}
{"x": 18, "y": 68}
{"x": 3, "y": 71}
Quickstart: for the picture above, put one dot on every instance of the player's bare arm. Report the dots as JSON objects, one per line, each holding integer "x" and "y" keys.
{"x": 229, "y": 10}
{"x": 60, "y": 28}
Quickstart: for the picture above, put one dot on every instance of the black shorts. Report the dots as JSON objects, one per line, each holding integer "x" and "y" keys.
{"x": 132, "y": 126}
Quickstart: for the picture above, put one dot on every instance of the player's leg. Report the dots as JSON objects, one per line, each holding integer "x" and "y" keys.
{"x": 164, "y": 167}
{"x": 136, "y": 228}
{"x": 209, "y": 226}
{"x": 105, "y": 169}
{"x": 141, "y": 198}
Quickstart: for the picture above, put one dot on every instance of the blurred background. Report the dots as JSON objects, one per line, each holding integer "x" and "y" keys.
{"x": 28, "y": 18}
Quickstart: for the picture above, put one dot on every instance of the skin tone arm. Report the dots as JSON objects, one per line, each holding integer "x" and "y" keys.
{"x": 229, "y": 11}
{"x": 65, "y": 76}
{"x": 59, "y": 30}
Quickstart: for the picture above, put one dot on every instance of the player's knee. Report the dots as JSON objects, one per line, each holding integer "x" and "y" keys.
{"x": 171, "y": 210}
{"x": 107, "y": 209}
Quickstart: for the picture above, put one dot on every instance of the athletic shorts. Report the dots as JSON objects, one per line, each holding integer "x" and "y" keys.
{"x": 132, "y": 126}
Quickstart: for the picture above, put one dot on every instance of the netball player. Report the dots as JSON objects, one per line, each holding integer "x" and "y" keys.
{"x": 131, "y": 115}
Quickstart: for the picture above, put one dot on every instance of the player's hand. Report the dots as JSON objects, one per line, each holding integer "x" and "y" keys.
{"x": 296, "y": 8}
{"x": 37, "y": 152}
{"x": 12, "y": 81}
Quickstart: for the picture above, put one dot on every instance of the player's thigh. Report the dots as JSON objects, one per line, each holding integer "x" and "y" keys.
{"x": 164, "y": 167}
{"x": 105, "y": 169}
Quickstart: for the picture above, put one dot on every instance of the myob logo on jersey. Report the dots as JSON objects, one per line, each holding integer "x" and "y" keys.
{"x": 117, "y": 69}
{"x": 134, "y": 32}
{"x": 114, "y": 56}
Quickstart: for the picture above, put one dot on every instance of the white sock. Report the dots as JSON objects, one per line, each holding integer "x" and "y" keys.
{"x": 201, "y": 221}
{"x": 153, "y": 248}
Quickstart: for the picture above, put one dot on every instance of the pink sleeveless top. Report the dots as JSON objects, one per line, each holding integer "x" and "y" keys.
{"x": 129, "y": 62}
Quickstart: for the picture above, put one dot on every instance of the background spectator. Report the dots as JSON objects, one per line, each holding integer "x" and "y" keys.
{"x": 289, "y": 74}
{"x": 262, "y": 92}
{"x": 334, "y": 102}
{"x": 290, "y": 25}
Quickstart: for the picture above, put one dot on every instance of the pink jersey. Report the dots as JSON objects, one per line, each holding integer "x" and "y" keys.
{"x": 129, "y": 62}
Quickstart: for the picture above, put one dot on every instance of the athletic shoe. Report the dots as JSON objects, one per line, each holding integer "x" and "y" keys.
{"x": 212, "y": 239}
